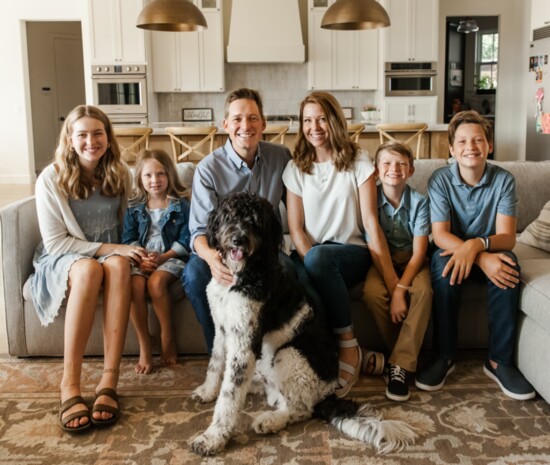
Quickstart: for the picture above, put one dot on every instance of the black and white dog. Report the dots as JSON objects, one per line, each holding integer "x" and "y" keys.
{"x": 269, "y": 339}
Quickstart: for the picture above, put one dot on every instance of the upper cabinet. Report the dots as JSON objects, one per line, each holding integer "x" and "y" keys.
{"x": 115, "y": 37}
{"x": 191, "y": 61}
{"x": 340, "y": 60}
{"x": 540, "y": 13}
{"x": 413, "y": 33}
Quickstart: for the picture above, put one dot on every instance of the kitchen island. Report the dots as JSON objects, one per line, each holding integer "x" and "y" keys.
{"x": 434, "y": 141}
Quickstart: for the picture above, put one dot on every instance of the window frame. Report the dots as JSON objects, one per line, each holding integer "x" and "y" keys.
{"x": 479, "y": 58}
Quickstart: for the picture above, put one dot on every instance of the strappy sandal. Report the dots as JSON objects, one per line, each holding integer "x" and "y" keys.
{"x": 115, "y": 411}
{"x": 63, "y": 421}
{"x": 373, "y": 362}
{"x": 347, "y": 384}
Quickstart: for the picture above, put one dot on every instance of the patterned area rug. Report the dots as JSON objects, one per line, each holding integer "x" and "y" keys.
{"x": 468, "y": 422}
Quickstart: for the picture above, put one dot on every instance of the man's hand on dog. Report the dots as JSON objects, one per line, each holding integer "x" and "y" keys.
{"x": 220, "y": 272}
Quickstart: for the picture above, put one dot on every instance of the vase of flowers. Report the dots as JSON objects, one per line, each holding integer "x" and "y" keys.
{"x": 368, "y": 112}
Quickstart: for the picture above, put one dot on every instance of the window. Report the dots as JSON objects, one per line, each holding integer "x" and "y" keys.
{"x": 487, "y": 63}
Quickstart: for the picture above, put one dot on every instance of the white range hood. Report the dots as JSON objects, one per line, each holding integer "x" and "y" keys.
{"x": 265, "y": 31}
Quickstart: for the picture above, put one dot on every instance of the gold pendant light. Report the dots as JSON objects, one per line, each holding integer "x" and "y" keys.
{"x": 171, "y": 15}
{"x": 352, "y": 15}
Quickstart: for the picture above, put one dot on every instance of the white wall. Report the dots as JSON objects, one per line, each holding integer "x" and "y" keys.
{"x": 16, "y": 150}
{"x": 511, "y": 102}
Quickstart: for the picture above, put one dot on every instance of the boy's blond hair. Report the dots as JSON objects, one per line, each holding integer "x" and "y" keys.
{"x": 397, "y": 147}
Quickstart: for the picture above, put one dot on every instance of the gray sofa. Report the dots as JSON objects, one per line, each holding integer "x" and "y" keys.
{"x": 26, "y": 337}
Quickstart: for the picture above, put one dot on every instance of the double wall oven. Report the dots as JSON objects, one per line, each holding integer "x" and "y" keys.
{"x": 121, "y": 92}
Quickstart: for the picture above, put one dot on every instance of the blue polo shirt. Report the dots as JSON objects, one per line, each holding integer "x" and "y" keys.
{"x": 472, "y": 210}
{"x": 400, "y": 225}
{"x": 223, "y": 173}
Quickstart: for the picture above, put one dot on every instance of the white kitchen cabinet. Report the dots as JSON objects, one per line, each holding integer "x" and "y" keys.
{"x": 413, "y": 34}
{"x": 540, "y": 13}
{"x": 115, "y": 37}
{"x": 190, "y": 61}
{"x": 340, "y": 60}
{"x": 410, "y": 110}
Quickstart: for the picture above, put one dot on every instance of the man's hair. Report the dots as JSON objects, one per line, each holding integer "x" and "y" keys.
{"x": 244, "y": 93}
{"x": 396, "y": 147}
{"x": 470, "y": 117}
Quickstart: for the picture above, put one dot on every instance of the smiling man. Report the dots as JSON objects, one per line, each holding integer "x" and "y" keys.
{"x": 244, "y": 164}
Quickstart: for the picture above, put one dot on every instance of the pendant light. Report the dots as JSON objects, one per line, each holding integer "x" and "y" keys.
{"x": 467, "y": 25}
{"x": 351, "y": 15}
{"x": 171, "y": 15}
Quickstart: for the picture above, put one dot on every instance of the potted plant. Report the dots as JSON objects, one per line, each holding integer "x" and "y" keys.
{"x": 368, "y": 112}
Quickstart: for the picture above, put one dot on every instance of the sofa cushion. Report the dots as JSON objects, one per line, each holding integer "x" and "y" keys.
{"x": 535, "y": 292}
{"x": 537, "y": 234}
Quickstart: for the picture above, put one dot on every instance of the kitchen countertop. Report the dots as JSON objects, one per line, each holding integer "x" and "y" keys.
{"x": 158, "y": 128}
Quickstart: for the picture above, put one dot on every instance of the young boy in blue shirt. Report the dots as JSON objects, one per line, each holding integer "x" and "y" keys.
{"x": 401, "y": 309}
{"x": 473, "y": 208}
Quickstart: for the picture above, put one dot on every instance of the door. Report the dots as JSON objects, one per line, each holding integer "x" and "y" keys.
{"x": 56, "y": 81}
{"x": 70, "y": 78}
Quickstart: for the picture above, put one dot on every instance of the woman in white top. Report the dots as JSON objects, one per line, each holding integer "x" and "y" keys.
{"x": 80, "y": 200}
{"x": 331, "y": 201}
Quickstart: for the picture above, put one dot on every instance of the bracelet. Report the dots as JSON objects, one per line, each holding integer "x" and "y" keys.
{"x": 485, "y": 241}
{"x": 407, "y": 288}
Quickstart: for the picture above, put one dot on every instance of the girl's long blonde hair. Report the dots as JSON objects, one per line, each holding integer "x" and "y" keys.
{"x": 175, "y": 189}
{"x": 345, "y": 151}
{"x": 110, "y": 173}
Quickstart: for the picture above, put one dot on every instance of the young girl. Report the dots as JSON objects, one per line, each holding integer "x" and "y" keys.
{"x": 157, "y": 220}
{"x": 80, "y": 200}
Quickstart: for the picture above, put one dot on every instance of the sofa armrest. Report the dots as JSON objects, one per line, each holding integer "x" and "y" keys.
{"x": 19, "y": 235}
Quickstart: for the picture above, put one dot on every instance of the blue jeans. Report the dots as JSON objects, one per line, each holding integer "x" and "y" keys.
{"x": 195, "y": 278}
{"x": 332, "y": 269}
{"x": 502, "y": 312}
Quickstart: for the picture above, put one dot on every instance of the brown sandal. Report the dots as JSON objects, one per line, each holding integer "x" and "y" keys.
{"x": 63, "y": 421}
{"x": 115, "y": 411}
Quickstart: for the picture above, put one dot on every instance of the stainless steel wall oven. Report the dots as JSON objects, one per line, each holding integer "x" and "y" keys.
{"x": 410, "y": 79}
{"x": 121, "y": 92}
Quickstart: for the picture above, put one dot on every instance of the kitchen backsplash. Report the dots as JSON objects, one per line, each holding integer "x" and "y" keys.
{"x": 282, "y": 87}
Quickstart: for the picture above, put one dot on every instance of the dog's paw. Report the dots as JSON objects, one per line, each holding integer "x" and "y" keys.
{"x": 204, "y": 394}
{"x": 269, "y": 422}
{"x": 207, "y": 444}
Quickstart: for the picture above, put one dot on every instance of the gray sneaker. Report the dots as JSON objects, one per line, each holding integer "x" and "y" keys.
{"x": 434, "y": 377}
{"x": 510, "y": 380}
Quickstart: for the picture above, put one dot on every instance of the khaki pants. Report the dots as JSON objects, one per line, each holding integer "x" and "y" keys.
{"x": 405, "y": 338}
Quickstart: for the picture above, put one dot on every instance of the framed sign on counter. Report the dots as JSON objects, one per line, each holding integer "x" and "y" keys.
{"x": 197, "y": 114}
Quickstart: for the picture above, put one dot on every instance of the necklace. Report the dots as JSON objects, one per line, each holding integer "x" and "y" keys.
{"x": 324, "y": 171}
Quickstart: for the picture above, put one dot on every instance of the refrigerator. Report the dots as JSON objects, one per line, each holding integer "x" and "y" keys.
{"x": 538, "y": 97}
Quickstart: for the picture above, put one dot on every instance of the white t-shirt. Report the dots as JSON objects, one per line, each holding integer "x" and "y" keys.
{"x": 331, "y": 200}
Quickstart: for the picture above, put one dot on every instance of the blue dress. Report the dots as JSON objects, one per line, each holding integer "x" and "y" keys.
{"x": 98, "y": 218}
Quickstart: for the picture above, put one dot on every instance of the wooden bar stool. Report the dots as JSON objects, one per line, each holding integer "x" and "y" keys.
{"x": 355, "y": 130}
{"x": 185, "y": 138}
{"x": 139, "y": 140}
{"x": 417, "y": 128}
{"x": 275, "y": 133}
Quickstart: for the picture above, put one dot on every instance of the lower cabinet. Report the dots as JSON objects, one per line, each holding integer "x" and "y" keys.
{"x": 410, "y": 110}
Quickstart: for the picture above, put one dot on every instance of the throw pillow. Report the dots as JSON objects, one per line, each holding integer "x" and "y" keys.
{"x": 537, "y": 234}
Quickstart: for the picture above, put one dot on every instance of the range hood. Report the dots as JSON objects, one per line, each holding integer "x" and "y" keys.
{"x": 265, "y": 31}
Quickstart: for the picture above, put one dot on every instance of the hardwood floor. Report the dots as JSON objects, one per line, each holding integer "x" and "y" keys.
{"x": 9, "y": 193}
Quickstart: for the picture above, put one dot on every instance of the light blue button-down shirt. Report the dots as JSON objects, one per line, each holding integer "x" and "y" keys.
{"x": 223, "y": 173}
{"x": 400, "y": 225}
{"x": 472, "y": 210}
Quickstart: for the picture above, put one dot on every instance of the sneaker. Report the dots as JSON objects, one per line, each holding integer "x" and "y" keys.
{"x": 398, "y": 384}
{"x": 434, "y": 377}
{"x": 510, "y": 380}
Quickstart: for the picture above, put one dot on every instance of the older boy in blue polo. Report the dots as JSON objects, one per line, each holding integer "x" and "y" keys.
{"x": 473, "y": 208}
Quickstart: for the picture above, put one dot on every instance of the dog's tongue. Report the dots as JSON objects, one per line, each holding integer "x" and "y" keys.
{"x": 236, "y": 254}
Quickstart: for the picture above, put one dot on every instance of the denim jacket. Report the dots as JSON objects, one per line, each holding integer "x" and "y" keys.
{"x": 174, "y": 226}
